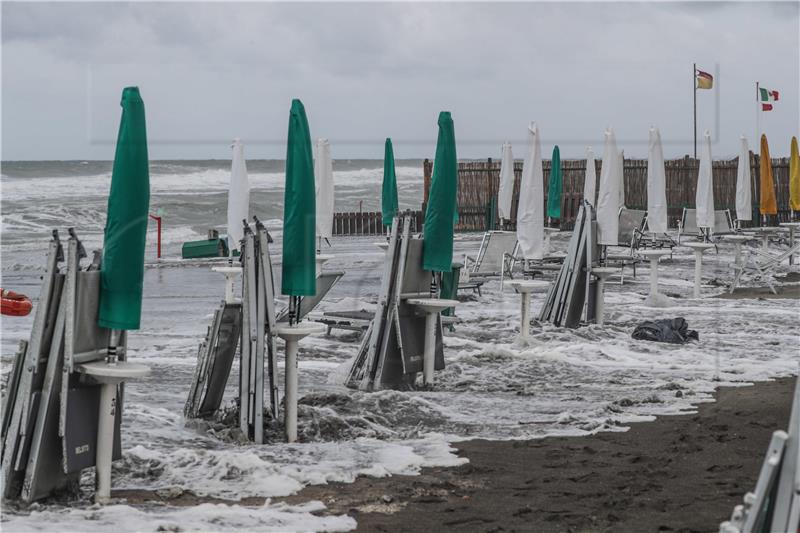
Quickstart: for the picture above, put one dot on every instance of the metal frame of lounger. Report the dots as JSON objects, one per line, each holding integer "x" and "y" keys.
{"x": 325, "y": 282}
{"x": 761, "y": 270}
{"x": 631, "y": 225}
{"x": 488, "y": 249}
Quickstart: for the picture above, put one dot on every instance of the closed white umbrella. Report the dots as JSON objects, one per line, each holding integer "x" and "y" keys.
{"x": 621, "y": 177}
{"x": 530, "y": 212}
{"x": 744, "y": 201}
{"x": 238, "y": 196}
{"x": 656, "y": 185}
{"x": 506, "y": 189}
{"x": 590, "y": 178}
{"x": 704, "y": 196}
{"x": 323, "y": 172}
{"x": 608, "y": 197}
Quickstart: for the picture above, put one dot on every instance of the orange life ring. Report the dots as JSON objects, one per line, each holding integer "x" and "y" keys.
{"x": 14, "y": 304}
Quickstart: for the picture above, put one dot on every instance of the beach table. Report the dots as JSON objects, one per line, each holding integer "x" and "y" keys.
{"x": 601, "y": 273}
{"x": 431, "y": 307}
{"x": 738, "y": 240}
{"x": 698, "y": 248}
{"x": 292, "y": 335}
{"x": 109, "y": 374}
{"x": 525, "y": 287}
{"x": 765, "y": 232}
{"x": 655, "y": 299}
{"x": 792, "y": 227}
{"x": 230, "y": 273}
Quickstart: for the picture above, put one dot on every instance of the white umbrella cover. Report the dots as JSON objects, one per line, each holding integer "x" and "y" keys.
{"x": 608, "y": 198}
{"x": 744, "y": 202}
{"x": 590, "y": 178}
{"x": 656, "y": 185}
{"x": 323, "y": 172}
{"x": 238, "y": 196}
{"x": 704, "y": 195}
{"x": 530, "y": 212}
{"x": 506, "y": 189}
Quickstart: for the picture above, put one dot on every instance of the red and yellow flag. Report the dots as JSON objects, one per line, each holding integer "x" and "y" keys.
{"x": 704, "y": 80}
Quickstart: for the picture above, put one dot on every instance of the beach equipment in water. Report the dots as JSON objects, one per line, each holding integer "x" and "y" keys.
{"x": 389, "y": 201}
{"x": 656, "y": 185}
{"x": 590, "y": 178}
{"x": 744, "y": 202}
{"x": 671, "y": 330}
{"x": 525, "y": 287}
{"x": 126, "y": 222}
{"x": 608, "y": 199}
{"x": 505, "y": 191}
{"x": 213, "y": 246}
{"x": 698, "y": 248}
{"x": 704, "y": 194}
{"x": 238, "y": 197}
{"x": 655, "y": 299}
{"x": 763, "y": 266}
{"x": 555, "y": 186}
{"x": 767, "y": 204}
{"x": 393, "y": 350}
{"x": 774, "y": 504}
{"x": 14, "y": 304}
{"x": 530, "y": 210}
{"x": 323, "y": 173}
{"x": 441, "y": 211}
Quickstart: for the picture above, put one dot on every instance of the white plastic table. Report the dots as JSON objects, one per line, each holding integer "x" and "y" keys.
{"x": 738, "y": 240}
{"x": 230, "y": 273}
{"x": 792, "y": 227}
{"x": 431, "y": 307}
{"x": 525, "y": 287}
{"x": 109, "y": 375}
{"x": 601, "y": 273}
{"x": 292, "y": 336}
{"x": 654, "y": 254}
{"x": 764, "y": 232}
{"x": 698, "y": 248}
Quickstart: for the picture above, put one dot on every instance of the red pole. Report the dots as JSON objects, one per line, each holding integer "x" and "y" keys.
{"x": 158, "y": 228}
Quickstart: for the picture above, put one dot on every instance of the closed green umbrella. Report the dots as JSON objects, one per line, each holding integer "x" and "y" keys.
{"x": 122, "y": 270}
{"x": 389, "y": 193}
{"x": 440, "y": 216}
{"x": 555, "y": 185}
{"x": 299, "y": 209}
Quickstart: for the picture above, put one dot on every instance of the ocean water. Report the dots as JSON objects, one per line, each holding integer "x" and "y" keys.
{"x": 567, "y": 382}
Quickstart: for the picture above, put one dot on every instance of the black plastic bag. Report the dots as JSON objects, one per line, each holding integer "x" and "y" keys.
{"x": 675, "y": 331}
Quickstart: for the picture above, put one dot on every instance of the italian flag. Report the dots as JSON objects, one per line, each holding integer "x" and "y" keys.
{"x": 768, "y": 96}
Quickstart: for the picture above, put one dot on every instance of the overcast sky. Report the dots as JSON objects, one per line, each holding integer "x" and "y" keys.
{"x": 209, "y": 72}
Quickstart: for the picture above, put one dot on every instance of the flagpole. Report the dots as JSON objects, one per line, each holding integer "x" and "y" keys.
{"x": 758, "y": 116}
{"x": 694, "y": 89}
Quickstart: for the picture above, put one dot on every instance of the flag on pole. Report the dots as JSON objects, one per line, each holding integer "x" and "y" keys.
{"x": 704, "y": 80}
{"x": 766, "y": 107}
{"x": 767, "y": 95}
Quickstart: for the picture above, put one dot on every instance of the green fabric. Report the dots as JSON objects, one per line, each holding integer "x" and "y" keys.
{"x": 389, "y": 205}
{"x": 122, "y": 270}
{"x": 555, "y": 186}
{"x": 449, "y": 289}
{"x": 299, "y": 269}
{"x": 440, "y": 216}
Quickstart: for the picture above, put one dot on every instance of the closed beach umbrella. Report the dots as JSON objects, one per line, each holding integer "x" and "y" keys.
{"x": 506, "y": 190}
{"x": 768, "y": 204}
{"x": 704, "y": 194}
{"x": 389, "y": 205}
{"x": 440, "y": 215}
{"x": 656, "y": 185}
{"x": 299, "y": 209}
{"x": 122, "y": 270}
{"x": 530, "y": 212}
{"x": 554, "y": 186}
{"x": 744, "y": 202}
{"x": 323, "y": 172}
{"x": 590, "y": 178}
{"x": 608, "y": 196}
{"x": 238, "y": 196}
{"x": 794, "y": 177}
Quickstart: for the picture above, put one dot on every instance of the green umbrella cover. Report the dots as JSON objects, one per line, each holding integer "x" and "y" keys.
{"x": 122, "y": 270}
{"x": 555, "y": 186}
{"x": 299, "y": 269}
{"x": 440, "y": 216}
{"x": 389, "y": 194}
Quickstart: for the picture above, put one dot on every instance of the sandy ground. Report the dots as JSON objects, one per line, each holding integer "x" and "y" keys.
{"x": 677, "y": 473}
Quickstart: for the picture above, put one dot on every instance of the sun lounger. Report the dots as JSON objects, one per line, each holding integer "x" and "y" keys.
{"x": 493, "y": 253}
{"x": 687, "y": 226}
{"x": 325, "y": 282}
{"x": 761, "y": 266}
{"x": 631, "y": 226}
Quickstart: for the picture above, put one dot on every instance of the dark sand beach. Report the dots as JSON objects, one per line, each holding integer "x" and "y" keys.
{"x": 678, "y": 473}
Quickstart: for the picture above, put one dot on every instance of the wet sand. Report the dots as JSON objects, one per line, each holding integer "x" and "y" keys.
{"x": 678, "y": 473}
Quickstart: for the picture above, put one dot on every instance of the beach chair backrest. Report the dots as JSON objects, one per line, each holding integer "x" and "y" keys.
{"x": 495, "y": 245}
{"x": 416, "y": 280}
{"x": 723, "y": 224}
{"x": 325, "y": 282}
{"x": 689, "y": 222}
{"x": 630, "y": 221}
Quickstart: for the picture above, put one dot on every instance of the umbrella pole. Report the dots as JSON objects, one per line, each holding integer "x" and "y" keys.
{"x": 113, "y": 342}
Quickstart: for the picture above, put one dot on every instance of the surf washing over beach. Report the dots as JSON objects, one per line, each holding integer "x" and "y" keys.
{"x": 567, "y": 382}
